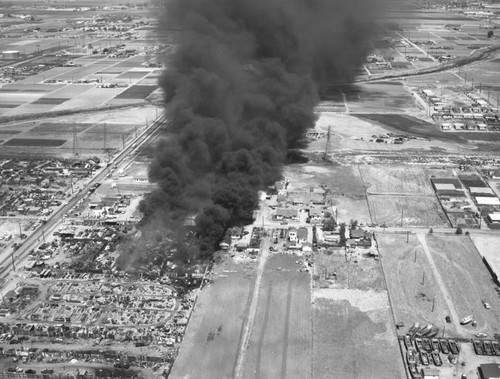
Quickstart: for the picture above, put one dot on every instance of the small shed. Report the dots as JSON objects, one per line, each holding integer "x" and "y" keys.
{"x": 430, "y": 373}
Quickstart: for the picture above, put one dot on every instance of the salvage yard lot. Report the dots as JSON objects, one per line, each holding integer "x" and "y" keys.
{"x": 406, "y": 211}
{"x": 280, "y": 345}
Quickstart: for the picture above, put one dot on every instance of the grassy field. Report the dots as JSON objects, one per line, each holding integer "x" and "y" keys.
{"x": 406, "y": 211}
{"x": 212, "y": 339}
{"x": 385, "y": 179}
{"x": 280, "y": 344}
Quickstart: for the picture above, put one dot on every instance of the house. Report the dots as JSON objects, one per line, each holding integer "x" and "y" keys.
{"x": 351, "y": 243}
{"x": 315, "y": 215}
{"x": 430, "y": 373}
{"x": 287, "y": 214}
{"x": 302, "y": 236}
{"x": 281, "y": 199}
{"x": 482, "y": 200}
{"x": 362, "y": 237}
{"x": 489, "y": 371}
{"x": 359, "y": 234}
{"x": 328, "y": 237}
{"x": 292, "y": 235}
{"x": 307, "y": 247}
{"x": 236, "y": 233}
{"x": 494, "y": 217}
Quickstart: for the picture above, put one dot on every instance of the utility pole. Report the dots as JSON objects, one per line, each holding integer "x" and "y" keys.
{"x": 423, "y": 278}
{"x": 75, "y": 141}
{"x": 104, "y": 132}
{"x": 328, "y": 143}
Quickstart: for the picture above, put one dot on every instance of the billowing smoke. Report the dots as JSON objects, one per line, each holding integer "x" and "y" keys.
{"x": 239, "y": 92}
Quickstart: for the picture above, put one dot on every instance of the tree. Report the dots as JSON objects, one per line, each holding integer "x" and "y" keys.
{"x": 342, "y": 234}
{"x": 431, "y": 231}
{"x": 490, "y": 33}
{"x": 459, "y": 230}
{"x": 354, "y": 224}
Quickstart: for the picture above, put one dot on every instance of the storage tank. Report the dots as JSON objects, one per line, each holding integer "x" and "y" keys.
{"x": 10, "y": 55}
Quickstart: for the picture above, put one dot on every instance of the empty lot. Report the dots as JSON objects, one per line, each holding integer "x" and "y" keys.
{"x": 280, "y": 343}
{"x": 211, "y": 342}
{"x": 434, "y": 276}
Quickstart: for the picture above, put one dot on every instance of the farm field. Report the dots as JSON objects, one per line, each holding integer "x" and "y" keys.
{"x": 280, "y": 344}
{"x": 97, "y": 133}
{"x": 395, "y": 180}
{"x": 33, "y": 94}
{"x": 212, "y": 339}
{"x": 389, "y": 97}
{"x": 420, "y": 211}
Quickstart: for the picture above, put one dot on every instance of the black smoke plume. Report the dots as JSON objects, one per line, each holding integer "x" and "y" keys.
{"x": 239, "y": 92}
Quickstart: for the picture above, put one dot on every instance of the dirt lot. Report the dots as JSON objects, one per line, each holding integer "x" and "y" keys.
{"x": 383, "y": 179}
{"x": 212, "y": 339}
{"x": 280, "y": 344}
{"x": 332, "y": 269}
{"x": 412, "y": 285}
{"x": 353, "y": 330}
{"x": 467, "y": 280}
{"x": 444, "y": 271}
{"x": 422, "y": 211}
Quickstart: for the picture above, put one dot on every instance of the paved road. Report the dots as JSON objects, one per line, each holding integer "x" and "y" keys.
{"x": 54, "y": 220}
